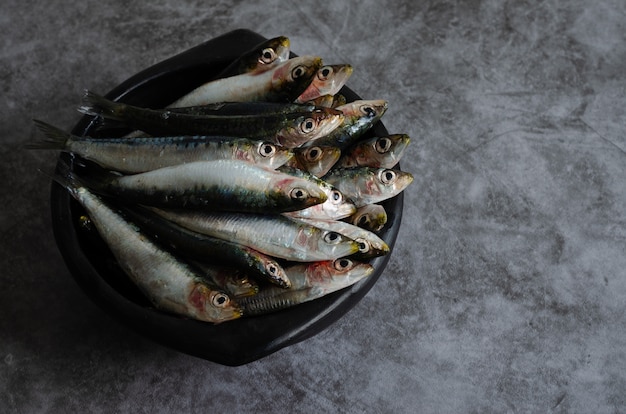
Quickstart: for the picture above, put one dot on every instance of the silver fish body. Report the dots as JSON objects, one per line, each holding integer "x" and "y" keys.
{"x": 170, "y": 284}
{"x": 274, "y": 235}
{"x": 219, "y": 185}
{"x": 310, "y": 281}
{"x": 142, "y": 154}
{"x": 283, "y": 83}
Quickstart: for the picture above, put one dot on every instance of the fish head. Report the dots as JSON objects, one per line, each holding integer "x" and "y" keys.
{"x": 317, "y": 159}
{"x": 292, "y": 77}
{"x": 333, "y": 244}
{"x": 309, "y": 127}
{"x": 370, "y": 110}
{"x": 332, "y": 275}
{"x": 372, "y": 217}
{"x": 270, "y": 155}
{"x": 394, "y": 181}
{"x": 371, "y": 246}
{"x": 328, "y": 80}
{"x": 383, "y": 152}
{"x": 337, "y": 206}
{"x": 274, "y": 51}
{"x": 296, "y": 193}
{"x": 213, "y": 305}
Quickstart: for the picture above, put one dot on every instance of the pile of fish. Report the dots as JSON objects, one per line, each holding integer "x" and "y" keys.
{"x": 252, "y": 193}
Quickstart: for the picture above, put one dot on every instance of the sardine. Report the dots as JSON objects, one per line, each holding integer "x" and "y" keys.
{"x": 372, "y": 217}
{"x": 317, "y": 159}
{"x": 370, "y": 245}
{"x": 366, "y": 185}
{"x": 286, "y": 128}
{"x": 170, "y": 284}
{"x": 283, "y": 83}
{"x": 328, "y": 81}
{"x": 216, "y": 185}
{"x": 202, "y": 247}
{"x": 379, "y": 152}
{"x": 136, "y": 155}
{"x": 274, "y": 235}
{"x": 310, "y": 281}
{"x": 260, "y": 58}
{"x": 359, "y": 117}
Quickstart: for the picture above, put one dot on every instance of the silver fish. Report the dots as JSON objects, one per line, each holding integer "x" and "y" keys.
{"x": 283, "y": 83}
{"x": 136, "y": 155}
{"x": 220, "y": 185}
{"x": 310, "y": 281}
{"x": 170, "y": 284}
{"x": 366, "y": 185}
{"x": 317, "y": 159}
{"x": 274, "y": 235}
{"x": 260, "y": 58}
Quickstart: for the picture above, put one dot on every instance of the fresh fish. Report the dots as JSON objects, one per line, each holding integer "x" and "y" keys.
{"x": 370, "y": 245}
{"x": 274, "y": 235}
{"x": 366, "y": 185}
{"x": 260, "y": 58}
{"x": 379, "y": 152}
{"x": 170, "y": 284}
{"x": 286, "y": 128}
{"x": 335, "y": 207}
{"x": 359, "y": 117}
{"x": 136, "y": 155}
{"x": 317, "y": 159}
{"x": 283, "y": 83}
{"x": 310, "y": 281}
{"x": 328, "y": 81}
{"x": 230, "y": 279}
{"x": 372, "y": 217}
{"x": 217, "y": 185}
{"x": 205, "y": 248}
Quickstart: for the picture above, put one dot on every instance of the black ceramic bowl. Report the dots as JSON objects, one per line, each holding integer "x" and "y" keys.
{"x": 95, "y": 270}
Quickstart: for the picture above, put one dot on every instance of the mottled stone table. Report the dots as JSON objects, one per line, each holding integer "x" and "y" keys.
{"x": 506, "y": 290}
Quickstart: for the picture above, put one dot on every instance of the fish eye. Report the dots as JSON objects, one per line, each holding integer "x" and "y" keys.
{"x": 308, "y": 125}
{"x": 267, "y": 149}
{"x": 382, "y": 145}
{"x": 364, "y": 220}
{"x": 298, "y": 194}
{"x": 272, "y": 269}
{"x": 324, "y": 73}
{"x": 313, "y": 154}
{"x": 364, "y": 246}
{"x": 342, "y": 264}
{"x": 387, "y": 176}
{"x": 332, "y": 237}
{"x": 297, "y": 72}
{"x": 220, "y": 300}
{"x": 368, "y": 111}
{"x": 268, "y": 55}
{"x": 336, "y": 197}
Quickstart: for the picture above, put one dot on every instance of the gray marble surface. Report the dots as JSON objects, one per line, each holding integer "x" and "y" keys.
{"x": 506, "y": 290}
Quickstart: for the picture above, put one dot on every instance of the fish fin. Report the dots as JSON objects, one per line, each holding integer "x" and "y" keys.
{"x": 96, "y": 105}
{"x": 56, "y": 138}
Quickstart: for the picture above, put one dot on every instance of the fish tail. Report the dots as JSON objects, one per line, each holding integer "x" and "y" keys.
{"x": 96, "y": 105}
{"x": 55, "y": 138}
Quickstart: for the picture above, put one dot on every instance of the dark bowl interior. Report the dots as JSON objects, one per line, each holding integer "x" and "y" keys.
{"x": 95, "y": 270}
